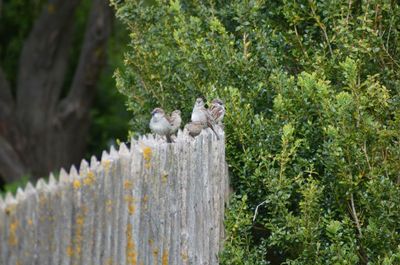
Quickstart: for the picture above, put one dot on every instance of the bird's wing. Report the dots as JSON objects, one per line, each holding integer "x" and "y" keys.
{"x": 209, "y": 115}
{"x": 168, "y": 118}
{"x": 216, "y": 111}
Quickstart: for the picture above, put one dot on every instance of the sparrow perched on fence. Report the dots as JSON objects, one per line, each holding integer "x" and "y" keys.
{"x": 175, "y": 120}
{"x": 202, "y": 115}
{"x": 194, "y": 128}
{"x": 161, "y": 124}
{"x": 217, "y": 110}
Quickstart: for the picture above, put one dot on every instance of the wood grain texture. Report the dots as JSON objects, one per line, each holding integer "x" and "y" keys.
{"x": 155, "y": 203}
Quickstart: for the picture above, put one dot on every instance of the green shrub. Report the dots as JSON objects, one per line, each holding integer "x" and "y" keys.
{"x": 313, "y": 118}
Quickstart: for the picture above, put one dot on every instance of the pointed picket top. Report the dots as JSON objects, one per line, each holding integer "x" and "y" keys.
{"x": 150, "y": 137}
{"x": 10, "y": 199}
{"x": 64, "y": 177}
{"x": 113, "y": 152}
{"x": 93, "y": 162}
{"x": 20, "y": 195}
{"x": 142, "y": 139}
{"x": 150, "y": 141}
{"x": 52, "y": 180}
{"x": 136, "y": 147}
{"x": 123, "y": 149}
{"x": 41, "y": 184}
{"x": 73, "y": 172}
{"x": 106, "y": 160}
{"x": 29, "y": 189}
{"x": 134, "y": 142}
{"x": 153, "y": 139}
{"x": 83, "y": 167}
{"x": 105, "y": 156}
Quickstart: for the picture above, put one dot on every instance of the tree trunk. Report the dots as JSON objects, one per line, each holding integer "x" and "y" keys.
{"x": 39, "y": 132}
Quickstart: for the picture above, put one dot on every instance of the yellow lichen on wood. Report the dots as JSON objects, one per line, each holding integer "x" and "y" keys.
{"x": 144, "y": 201}
{"x": 106, "y": 164}
{"x": 147, "y": 154}
{"x": 131, "y": 209}
{"x": 89, "y": 179}
{"x": 76, "y": 184}
{"x": 109, "y": 205}
{"x": 184, "y": 256}
{"x": 131, "y": 255}
{"x": 75, "y": 249}
{"x": 164, "y": 258}
{"x": 70, "y": 251}
{"x": 42, "y": 199}
{"x": 155, "y": 254}
{"x": 80, "y": 220}
{"x": 12, "y": 238}
{"x": 8, "y": 210}
{"x": 128, "y": 185}
{"x": 164, "y": 177}
{"x": 130, "y": 200}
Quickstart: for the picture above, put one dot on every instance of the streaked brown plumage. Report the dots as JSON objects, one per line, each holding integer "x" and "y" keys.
{"x": 202, "y": 115}
{"x": 160, "y": 123}
{"x": 175, "y": 120}
{"x": 217, "y": 110}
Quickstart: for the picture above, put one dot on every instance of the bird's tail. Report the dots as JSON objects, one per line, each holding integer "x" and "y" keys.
{"x": 169, "y": 139}
{"x": 212, "y": 128}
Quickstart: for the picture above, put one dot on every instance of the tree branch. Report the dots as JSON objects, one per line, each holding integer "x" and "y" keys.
{"x": 91, "y": 61}
{"x": 6, "y": 107}
{"x": 43, "y": 63}
{"x": 6, "y": 99}
{"x": 11, "y": 167}
{"x": 353, "y": 213}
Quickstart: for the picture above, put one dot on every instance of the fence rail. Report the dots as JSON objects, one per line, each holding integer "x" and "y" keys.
{"x": 155, "y": 203}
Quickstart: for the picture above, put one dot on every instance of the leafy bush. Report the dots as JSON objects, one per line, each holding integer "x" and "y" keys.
{"x": 313, "y": 118}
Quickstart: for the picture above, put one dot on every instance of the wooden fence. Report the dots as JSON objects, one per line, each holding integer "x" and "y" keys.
{"x": 155, "y": 203}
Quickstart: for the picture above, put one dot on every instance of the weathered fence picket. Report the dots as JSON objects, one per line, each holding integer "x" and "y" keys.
{"x": 155, "y": 203}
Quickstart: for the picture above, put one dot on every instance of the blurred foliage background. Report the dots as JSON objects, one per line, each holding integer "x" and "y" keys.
{"x": 108, "y": 115}
{"x": 313, "y": 118}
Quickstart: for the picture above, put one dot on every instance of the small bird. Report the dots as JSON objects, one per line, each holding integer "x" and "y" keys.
{"x": 217, "y": 110}
{"x": 194, "y": 128}
{"x": 202, "y": 115}
{"x": 161, "y": 124}
{"x": 175, "y": 120}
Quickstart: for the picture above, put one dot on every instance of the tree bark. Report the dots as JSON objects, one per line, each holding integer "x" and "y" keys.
{"x": 40, "y": 131}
